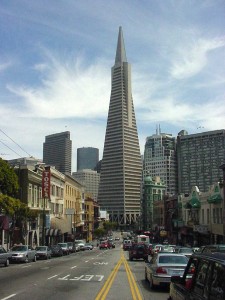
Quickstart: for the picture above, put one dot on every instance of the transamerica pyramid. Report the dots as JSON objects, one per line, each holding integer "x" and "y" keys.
{"x": 121, "y": 168}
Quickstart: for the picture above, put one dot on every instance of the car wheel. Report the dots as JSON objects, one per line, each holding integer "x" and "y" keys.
{"x": 7, "y": 263}
{"x": 35, "y": 258}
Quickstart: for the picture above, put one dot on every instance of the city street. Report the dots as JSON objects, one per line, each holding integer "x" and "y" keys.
{"x": 95, "y": 274}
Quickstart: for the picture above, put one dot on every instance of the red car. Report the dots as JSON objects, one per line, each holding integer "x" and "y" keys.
{"x": 137, "y": 251}
{"x": 104, "y": 245}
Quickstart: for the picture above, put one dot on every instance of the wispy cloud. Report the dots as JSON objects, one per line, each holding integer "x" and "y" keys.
{"x": 67, "y": 89}
{"x": 192, "y": 58}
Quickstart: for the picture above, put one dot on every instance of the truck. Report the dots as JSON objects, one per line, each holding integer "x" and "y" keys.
{"x": 142, "y": 239}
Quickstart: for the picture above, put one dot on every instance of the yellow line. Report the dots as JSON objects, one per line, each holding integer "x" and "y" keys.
{"x": 108, "y": 284}
{"x": 132, "y": 282}
{"x": 105, "y": 289}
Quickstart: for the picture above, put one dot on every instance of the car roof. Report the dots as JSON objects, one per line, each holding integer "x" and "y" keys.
{"x": 169, "y": 254}
{"x": 216, "y": 256}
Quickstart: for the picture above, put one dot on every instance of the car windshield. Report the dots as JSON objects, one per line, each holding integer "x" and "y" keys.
{"x": 19, "y": 248}
{"x": 62, "y": 244}
{"x": 167, "y": 259}
{"x": 41, "y": 248}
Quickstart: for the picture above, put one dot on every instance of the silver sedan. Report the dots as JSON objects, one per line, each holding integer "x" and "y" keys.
{"x": 162, "y": 266}
{"x": 4, "y": 256}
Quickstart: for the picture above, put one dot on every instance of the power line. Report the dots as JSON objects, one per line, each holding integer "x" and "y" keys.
{"x": 10, "y": 148}
{"x": 14, "y": 143}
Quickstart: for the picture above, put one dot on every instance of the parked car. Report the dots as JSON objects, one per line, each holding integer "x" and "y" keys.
{"x": 43, "y": 252}
{"x": 22, "y": 253}
{"x": 138, "y": 251}
{"x": 162, "y": 266}
{"x": 4, "y": 257}
{"x": 72, "y": 247}
{"x": 212, "y": 248}
{"x": 56, "y": 250}
{"x": 65, "y": 248}
{"x": 127, "y": 245}
{"x": 207, "y": 280}
{"x": 117, "y": 238}
{"x": 80, "y": 244}
{"x": 88, "y": 246}
{"x": 186, "y": 251}
{"x": 104, "y": 245}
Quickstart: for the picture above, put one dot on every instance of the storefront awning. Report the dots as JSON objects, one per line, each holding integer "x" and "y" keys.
{"x": 195, "y": 203}
{"x": 49, "y": 232}
{"x": 216, "y": 198}
{"x": 61, "y": 224}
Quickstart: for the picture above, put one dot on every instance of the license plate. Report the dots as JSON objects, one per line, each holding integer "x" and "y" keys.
{"x": 174, "y": 273}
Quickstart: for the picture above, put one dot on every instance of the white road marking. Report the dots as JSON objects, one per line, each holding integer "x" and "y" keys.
{"x": 27, "y": 266}
{"x": 52, "y": 277}
{"x": 100, "y": 263}
{"x": 10, "y": 296}
{"x": 73, "y": 267}
{"x": 64, "y": 278}
{"x": 87, "y": 261}
{"x": 100, "y": 277}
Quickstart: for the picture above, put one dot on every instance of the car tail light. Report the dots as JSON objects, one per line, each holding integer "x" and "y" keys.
{"x": 191, "y": 271}
{"x": 161, "y": 270}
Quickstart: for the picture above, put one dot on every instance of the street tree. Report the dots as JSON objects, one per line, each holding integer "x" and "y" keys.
{"x": 8, "y": 179}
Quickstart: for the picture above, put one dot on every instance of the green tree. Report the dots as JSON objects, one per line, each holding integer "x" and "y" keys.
{"x": 109, "y": 225}
{"x": 8, "y": 179}
{"x": 99, "y": 232}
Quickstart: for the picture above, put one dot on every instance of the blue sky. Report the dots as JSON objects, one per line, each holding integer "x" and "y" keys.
{"x": 56, "y": 59}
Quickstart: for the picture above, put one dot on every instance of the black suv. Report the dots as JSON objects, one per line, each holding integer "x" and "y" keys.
{"x": 212, "y": 248}
{"x": 137, "y": 251}
{"x": 203, "y": 278}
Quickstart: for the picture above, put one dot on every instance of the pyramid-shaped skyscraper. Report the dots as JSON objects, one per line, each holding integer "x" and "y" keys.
{"x": 121, "y": 168}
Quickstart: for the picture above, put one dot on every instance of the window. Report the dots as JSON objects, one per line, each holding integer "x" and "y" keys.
{"x": 201, "y": 275}
{"x": 217, "y": 290}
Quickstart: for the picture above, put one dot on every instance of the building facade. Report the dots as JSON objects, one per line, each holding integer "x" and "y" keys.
{"x": 57, "y": 151}
{"x": 199, "y": 158}
{"x": 153, "y": 203}
{"x": 90, "y": 180}
{"x": 160, "y": 159}
{"x": 87, "y": 158}
{"x": 121, "y": 167}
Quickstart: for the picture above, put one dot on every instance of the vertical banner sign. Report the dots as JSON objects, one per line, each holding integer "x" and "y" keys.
{"x": 46, "y": 183}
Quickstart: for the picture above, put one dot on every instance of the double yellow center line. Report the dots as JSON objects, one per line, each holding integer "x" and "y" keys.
{"x": 133, "y": 286}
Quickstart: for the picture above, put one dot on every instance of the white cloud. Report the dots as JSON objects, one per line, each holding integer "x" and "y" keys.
{"x": 68, "y": 89}
{"x": 192, "y": 58}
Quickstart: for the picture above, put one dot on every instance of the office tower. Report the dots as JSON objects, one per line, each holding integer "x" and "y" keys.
{"x": 200, "y": 156}
{"x": 121, "y": 168}
{"x": 90, "y": 180}
{"x": 57, "y": 151}
{"x": 87, "y": 158}
{"x": 160, "y": 159}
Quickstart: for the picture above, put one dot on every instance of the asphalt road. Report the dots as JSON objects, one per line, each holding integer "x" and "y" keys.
{"x": 95, "y": 274}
